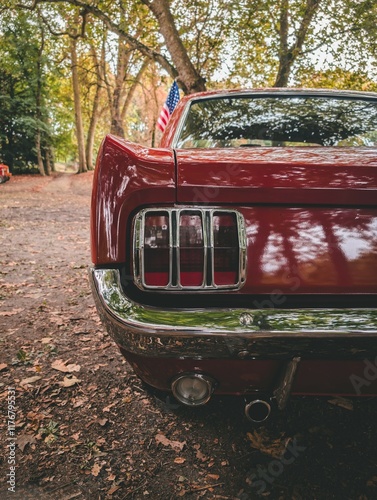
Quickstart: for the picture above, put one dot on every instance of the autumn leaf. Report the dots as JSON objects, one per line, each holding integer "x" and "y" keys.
{"x": 69, "y": 382}
{"x": 176, "y": 445}
{"x": 25, "y": 439}
{"x": 342, "y": 402}
{"x": 214, "y": 477}
{"x": 61, "y": 366}
{"x": 10, "y": 313}
{"x": 201, "y": 456}
{"x": 179, "y": 460}
{"x": 30, "y": 380}
{"x": 112, "y": 490}
{"x": 274, "y": 447}
{"x": 3, "y": 366}
{"x": 96, "y": 469}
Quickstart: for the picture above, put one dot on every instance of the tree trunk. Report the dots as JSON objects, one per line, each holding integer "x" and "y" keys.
{"x": 132, "y": 89}
{"x": 48, "y": 162}
{"x": 39, "y": 153}
{"x": 38, "y": 104}
{"x": 78, "y": 113}
{"x": 92, "y": 129}
{"x": 188, "y": 77}
{"x": 95, "y": 109}
{"x": 116, "y": 119}
{"x": 289, "y": 54}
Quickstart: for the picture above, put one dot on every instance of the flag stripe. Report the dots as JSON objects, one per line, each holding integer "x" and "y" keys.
{"x": 168, "y": 107}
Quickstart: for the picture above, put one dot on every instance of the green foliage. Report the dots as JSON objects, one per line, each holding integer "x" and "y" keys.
{"x": 336, "y": 78}
{"x": 230, "y": 43}
{"x": 22, "y": 75}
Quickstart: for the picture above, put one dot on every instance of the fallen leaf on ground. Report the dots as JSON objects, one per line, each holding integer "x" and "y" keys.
{"x": 46, "y": 340}
{"x": 215, "y": 477}
{"x": 268, "y": 445}
{"x": 29, "y": 380}
{"x": 57, "y": 320}
{"x": 113, "y": 489}
{"x": 107, "y": 408}
{"x": 176, "y": 445}
{"x": 76, "y": 403}
{"x": 25, "y": 439}
{"x": 3, "y": 366}
{"x": 69, "y": 382}
{"x": 201, "y": 456}
{"x": 96, "y": 469}
{"x": 342, "y": 402}
{"x": 61, "y": 366}
{"x": 179, "y": 460}
{"x": 10, "y": 313}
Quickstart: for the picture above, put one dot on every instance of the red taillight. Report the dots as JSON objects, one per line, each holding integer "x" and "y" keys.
{"x": 226, "y": 249}
{"x": 156, "y": 250}
{"x": 195, "y": 249}
{"x": 191, "y": 249}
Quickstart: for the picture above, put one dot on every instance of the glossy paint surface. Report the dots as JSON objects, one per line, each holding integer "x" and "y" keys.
{"x": 127, "y": 176}
{"x": 331, "y": 176}
{"x": 314, "y": 377}
{"x": 311, "y": 213}
{"x": 311, "y": 250}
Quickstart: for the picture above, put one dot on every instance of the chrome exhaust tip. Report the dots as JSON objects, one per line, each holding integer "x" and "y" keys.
{"x": 257, "y": 410}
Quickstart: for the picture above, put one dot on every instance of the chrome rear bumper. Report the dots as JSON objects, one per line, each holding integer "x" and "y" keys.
{"x": 232, "y": 333}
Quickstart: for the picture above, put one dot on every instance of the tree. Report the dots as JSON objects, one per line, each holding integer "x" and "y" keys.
{"x": 290, "y": 51}
{"x": 189, "y": 78}
{"x": 78, "y": 112}
{"x": 26, "y": 133}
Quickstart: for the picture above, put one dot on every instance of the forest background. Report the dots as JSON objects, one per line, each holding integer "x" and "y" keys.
{"x": 74, "y": 70}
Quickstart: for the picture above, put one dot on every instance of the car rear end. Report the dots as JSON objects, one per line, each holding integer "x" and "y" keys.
{"x": 243, "y": 261}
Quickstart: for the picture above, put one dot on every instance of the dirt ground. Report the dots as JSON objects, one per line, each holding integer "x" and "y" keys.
{"x": 86, "y": 427}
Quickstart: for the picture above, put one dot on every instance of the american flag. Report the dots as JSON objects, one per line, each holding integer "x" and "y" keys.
{"x": 169, "y": 106}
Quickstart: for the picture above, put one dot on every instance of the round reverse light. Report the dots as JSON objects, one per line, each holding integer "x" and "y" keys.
{"x": 192, "y": 389}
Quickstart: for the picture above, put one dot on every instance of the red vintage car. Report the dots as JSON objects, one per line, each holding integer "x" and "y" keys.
{"x": 240, "y": 256}
{"x": 5, "y": 175}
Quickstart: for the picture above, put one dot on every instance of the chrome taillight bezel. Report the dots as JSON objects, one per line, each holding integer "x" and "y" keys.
{"x": 207, "y": 217}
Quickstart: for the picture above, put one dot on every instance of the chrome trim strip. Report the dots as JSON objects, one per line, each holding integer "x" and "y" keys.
{"x": 174, "y": 214}
{"x": 232, "y": 333}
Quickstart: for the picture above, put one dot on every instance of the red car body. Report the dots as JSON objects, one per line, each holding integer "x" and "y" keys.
{"x": 300, "y": 316}
{"x": 5, "y": 175}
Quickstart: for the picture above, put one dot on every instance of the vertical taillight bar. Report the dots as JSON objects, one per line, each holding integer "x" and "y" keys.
{"x": 156, "y": 253}
{"x": 191, "y": 249}
{"x": 226, "y": 249}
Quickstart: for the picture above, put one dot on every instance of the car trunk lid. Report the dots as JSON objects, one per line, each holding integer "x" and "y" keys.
{"x": 310, "y": 214}
{"x": 331, "y": 176}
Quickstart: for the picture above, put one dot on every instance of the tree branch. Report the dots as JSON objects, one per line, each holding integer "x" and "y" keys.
{"x": 112, "y": 26}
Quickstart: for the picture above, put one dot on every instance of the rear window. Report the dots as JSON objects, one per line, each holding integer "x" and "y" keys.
{"x": 279, "y": 121}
